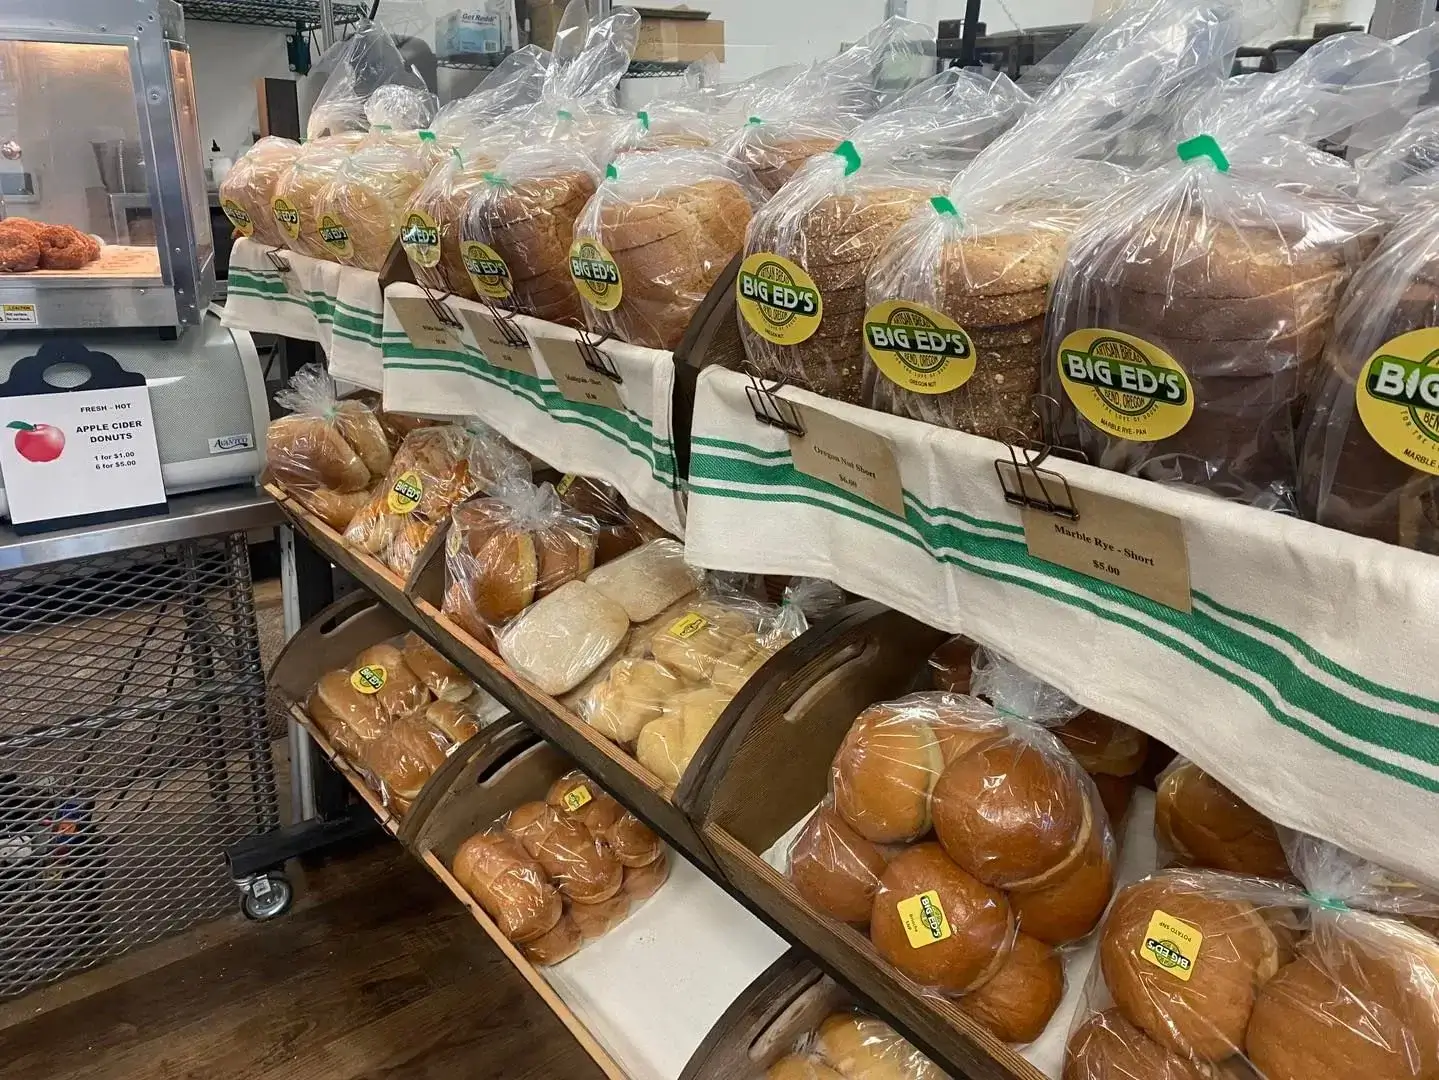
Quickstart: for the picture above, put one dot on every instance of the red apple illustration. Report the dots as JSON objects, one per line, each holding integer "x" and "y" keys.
{"x": 37, "y": 442}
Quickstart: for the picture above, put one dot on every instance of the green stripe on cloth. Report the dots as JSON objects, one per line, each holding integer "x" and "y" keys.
{"x": 630, "y": 430}
{"x": 960, "y": 546}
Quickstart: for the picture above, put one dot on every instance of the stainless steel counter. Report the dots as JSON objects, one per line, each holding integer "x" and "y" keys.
{"x": 208, "y": 513}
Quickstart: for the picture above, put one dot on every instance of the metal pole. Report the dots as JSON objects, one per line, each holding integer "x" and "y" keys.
{"x": 896, "y": 7}
{"x": 327, "y": 24}
{"x": 968, "y": 33}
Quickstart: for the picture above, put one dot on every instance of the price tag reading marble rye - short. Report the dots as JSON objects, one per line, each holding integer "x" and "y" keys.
{"x": 850, "y": 457}
{"x": 577, "y": 382}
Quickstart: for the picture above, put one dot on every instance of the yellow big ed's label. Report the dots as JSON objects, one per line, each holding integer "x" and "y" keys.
{"x": 918, "y": 348}
{"x": 335, "y": 236}
{"x": 239, "y": 217}
{"x": 420, "y": 237}
{"x": 595, "y": 274}
{"x": 777, "y": 299}
{"x": 923, "y": 920}
{"x": 287, "y": 216}
{"x": 488, "y": 272}
{"x": 1124, "y": 385}
{"x": 566, "y": 482}
{"x": 453, "y": 542}
{"x": 405, "y": 493}
{"x": 688, "y": 625}
{"x": 577, "y": 798}
{"x": 1171, "y": 945}
{"x": 369, "y": 679}
{"x": 1397, "y": 395}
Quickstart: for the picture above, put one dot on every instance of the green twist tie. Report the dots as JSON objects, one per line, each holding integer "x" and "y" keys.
{"x": 494, "y": 178}
{"x": 943, "y": 205}
{"x": 644, "y": 119}
{"x": 458, "y": 160}
{"x": 1203, "y": 146}
{"x": 427, "y": 136}
{"x": 383, "y": 127}
{"x": 755, "y": 121}
{"x": 611, "y": 173}
{"x": 849, "y": 155}
{"x": 563, "y": 114}
{"x": 1329, "y": 903}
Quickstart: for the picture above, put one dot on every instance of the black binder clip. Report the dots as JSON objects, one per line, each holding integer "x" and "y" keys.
{"x": 595, "y": 358}
{"x": 1028, "y": 484}
{"x": 769, "y": 408}
{"x": 278, "y": 260}
{"x": 509, "y": 329}
{"x": 440, "y": 309}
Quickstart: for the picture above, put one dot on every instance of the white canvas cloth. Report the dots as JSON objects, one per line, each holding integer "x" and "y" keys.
{"x": 1301, "y": 679}
{"x": 632, "y": 449}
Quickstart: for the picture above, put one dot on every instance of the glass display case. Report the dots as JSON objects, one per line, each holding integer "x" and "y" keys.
{"x": 99, "y": 133}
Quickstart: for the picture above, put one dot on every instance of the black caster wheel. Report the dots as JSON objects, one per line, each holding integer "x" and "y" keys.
{"x": 266, "y": 896}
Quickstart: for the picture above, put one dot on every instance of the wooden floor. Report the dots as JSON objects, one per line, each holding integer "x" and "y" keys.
{"x": 376, "y": 973}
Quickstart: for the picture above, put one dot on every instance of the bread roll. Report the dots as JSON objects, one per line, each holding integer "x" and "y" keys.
{"x": 1205, "y": 1016}
{"x": 949, "y": 665}
{"x": 341, "y": 736}
{"x": 400, "y": 691}
{"x": 559, "y": 944}
{"x": 1017, "y": 1003}
{"x": 883, "y": 775}
{"x": 635, "y": 693}
{"x": 795, "y": 1067}
{"x": 404, "y": 758}
{"x": 647, "y": 580}
{"x": 602, "y": 812}
{"x": 334, "y": 509}
{"x": 444, "y": 679}
{"x": 1068, "y": 906}
{"x": 360, "y": 427}
{"x": 708, "y": 633}
{"x": 1103, "y": 746}
{"x": 667, "y": 746}
{"x": 571, "y": 793}
{"x": 1362, "y": 1001}
{"x": 247, "y": 193}
{"x": 866, "y": 1048}
{"x": 620, "y": 529}
{"x": 642, "y": 882}
{"x": 1116, "y": 793}
{"x": 564, "y": 637}
{"x": 633, "y": 842}
{"x": 457, "y": 723}
{"x": 1205, "y": 825}
{"x": 1013, "y": 811}
{"x": 308, "y": 452}
{"x": 531, "y": 822}
{"x": 596, "y": 920}
{"x": 835, "y": 869}
{"x": 907, "y": 930}
{"x": 1109, "y": 1047}
{"x": 509, "y": 885}
{"x": 361, "y": 713}
{"x": 583, "y": 868}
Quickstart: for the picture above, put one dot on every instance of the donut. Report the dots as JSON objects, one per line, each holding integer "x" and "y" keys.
{"x": 22, "y": 225}
{"x": 19, "y": 251}
{"x": 64, "y": 248}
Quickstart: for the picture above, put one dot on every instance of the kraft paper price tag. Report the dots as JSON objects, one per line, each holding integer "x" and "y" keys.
{"x": 422, "y": 326}
{"x": 498, "y": 350}
{"x": 1120, "y": 542}
{"x": 848, "y": 456}
{"x": 576, "y": 381}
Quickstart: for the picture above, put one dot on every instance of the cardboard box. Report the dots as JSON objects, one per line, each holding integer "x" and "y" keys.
{"x": 545, "y": 18}
{"x": 679, "y": 35}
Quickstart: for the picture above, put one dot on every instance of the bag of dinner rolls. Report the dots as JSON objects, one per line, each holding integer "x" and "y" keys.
{"x": 435, "y": 468}
{"x": 509, "y": 884}
{"x": 852, "y": 1044}
{"x": 520, "y": 225}
{"x": 362, "y": 210}
{"x": 327, "y": 453}
{"x": 1198, "y": 822}
{"x": 972, "y": 268}
{"x": 814, "y": 111}
{"x": 655, "y": 236}
{"x": 510, "y": 549}
{"x": 1192, "y": 312}
{"x": 247, "y": 194}
{"x": 298, "y": 189}
{"x": 820, "y": 233}
{"x": 369, "y": 85}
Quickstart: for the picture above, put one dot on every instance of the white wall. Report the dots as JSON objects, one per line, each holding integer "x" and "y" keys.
{"x": 227, "y": 61}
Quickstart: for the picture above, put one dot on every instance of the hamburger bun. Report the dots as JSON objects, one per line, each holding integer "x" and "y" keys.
{"x": 633, "y": 842}
{"x": 571, "y": 793}
{"x": 360, "y": 713}
{"x": 1206, "y": 1016}
{"x": 583, "y": 868}
{"x": 1069, "y": 906}
{"x": 1109, "y": 1047}
{"x": 402, "y": 692}
{"x": 1017, "y": 1003}
{"x": 596, "y": 920}
{"x": 1104, "y": 746}
{"x": 978, "y": 918}
{"x": 835, "y": 869}
{"x": 560, "y": 943}
{"x": 1206, "y": 825}
{"x": 442, "y": 678}
{"x": 642, "y": 882}
{"x": 883, "y": 775}
{"x": 867, "y": 1048}
{"x": 509, "y": 885}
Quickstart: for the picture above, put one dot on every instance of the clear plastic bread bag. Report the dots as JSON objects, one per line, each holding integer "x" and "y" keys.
{"x": 297, "y": 191}
{"x": 1369, "y": 457}
{"x": 674, "y": 124}
{"x": 520, "y": 225}
{"x": 509, "y": 884}
{"x": 823, "y": 229}
{"x": 1200, "y": 823}
{"x": 1193, "y": 309}
{"x": 430, "y": 232}
{"x": 435, "y": 468}
{"x": 368, "y": 84}
{"x": 514, "y": 84}
{"x": 362, "y": 210}
{"x": 505, "y": 551}
{"x": 654, "y": 238}
{"x": 247, "y": 194}
{"x": 816, "y": 110}
{"x": 972, "y": 268}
